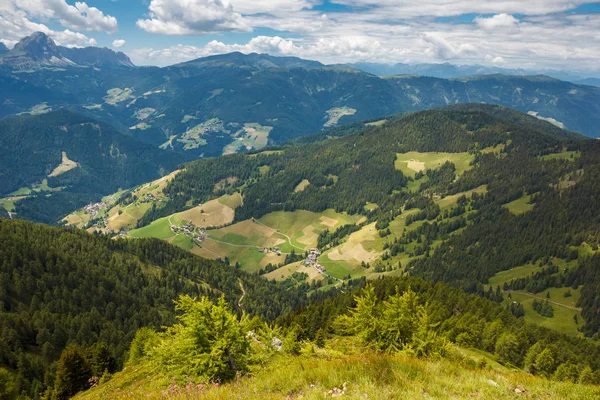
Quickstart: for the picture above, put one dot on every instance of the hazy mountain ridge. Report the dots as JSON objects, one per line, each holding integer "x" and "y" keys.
{"x": 448, "y": 70}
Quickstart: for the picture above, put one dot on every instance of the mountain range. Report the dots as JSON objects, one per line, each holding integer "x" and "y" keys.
{"x": 448, "y": 71}
{"x": 236, "y": 102}
{"x": 38, "y": 50}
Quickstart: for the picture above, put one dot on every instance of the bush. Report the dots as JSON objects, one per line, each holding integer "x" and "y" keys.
{"x": 400, "y": 323}
{"x": 209, "y": 343}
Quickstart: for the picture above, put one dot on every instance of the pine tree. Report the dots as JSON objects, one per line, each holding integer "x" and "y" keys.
{"x": 72, "y": 373}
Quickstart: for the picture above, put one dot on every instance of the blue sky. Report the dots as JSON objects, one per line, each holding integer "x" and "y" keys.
{"x": 536, "y": 34}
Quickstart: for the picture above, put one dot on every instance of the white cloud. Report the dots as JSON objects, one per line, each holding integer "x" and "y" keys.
{"x": 499, "y": 21}
{"x": 118, "y": 43}
{"x": 443, "y": 49}
{"x": 192, "y": 17}
{"x": 341, "y": 49}
{"x": 443, "y": 8}
{"x": 495, "y": 60}
{"x": 15, "y": 24}
{"x": 79, "y": 16}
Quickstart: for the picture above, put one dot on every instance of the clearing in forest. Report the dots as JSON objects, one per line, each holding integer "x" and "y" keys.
{"x": 520, "y": 206}
{"x": 65, "y": 165}
{"x": 335, "y": 114}
{"x": 412, "y": 162}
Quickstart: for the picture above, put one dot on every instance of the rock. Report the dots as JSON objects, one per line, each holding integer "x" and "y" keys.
{"x": 520, "y": 389}
{"x": 276, "y": 343}
{"x": 493, "y": 383}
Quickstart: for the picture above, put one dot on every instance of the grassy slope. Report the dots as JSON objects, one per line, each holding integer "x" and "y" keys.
{"x": 364, "y": 374}
{"x": 565, "y": 308}
{"x": 413, "y": 161}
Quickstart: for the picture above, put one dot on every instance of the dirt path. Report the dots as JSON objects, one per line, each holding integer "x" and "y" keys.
{"x": 246, "y": 246}
{"x": 243, "y": 294}
{"x": 549, "y": 301}
{"x": 281, "y": 234}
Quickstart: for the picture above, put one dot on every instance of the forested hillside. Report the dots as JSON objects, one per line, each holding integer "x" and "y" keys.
{"x": 510, "y": 192}
{"x": 349, "y": 172}
{"x": 53, "y": 163}
{"x": 235, "y": 102}
{"x": 64, "y": 286}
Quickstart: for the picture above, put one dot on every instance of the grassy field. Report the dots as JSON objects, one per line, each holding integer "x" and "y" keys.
{"x": 563, "y": 320}
{"x": 159, "y": 229}
{"x": 252, "y": 136}
{"x": 301, "y": 186}
{"x": 335, "y": 114}
{"x": 450, "y": 201}
{"x": 65, "y": 165}
{"x": 288, "y": 270}
{"x": 564, "y": 155}
{"x": 520, "y": 206}
{"x": 118, "y": 95}
{"x": 412, "y": 162}
{"x": 357, "y": 371}
{"x": 515, "y": 273}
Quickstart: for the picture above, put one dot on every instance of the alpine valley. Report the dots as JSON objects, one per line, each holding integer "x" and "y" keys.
{"x": 245, "y": 226}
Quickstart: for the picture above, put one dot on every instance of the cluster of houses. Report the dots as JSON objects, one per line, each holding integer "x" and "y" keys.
{"x": 149, "y": 198}
{"x": 94, "y": 208}
{"x": 189, "y": 229}
{"x": 271, "y": 250}
{"x": 312, "y": 259}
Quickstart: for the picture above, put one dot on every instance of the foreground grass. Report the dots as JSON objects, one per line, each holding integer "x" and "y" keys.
{"x": 363, "y": 374}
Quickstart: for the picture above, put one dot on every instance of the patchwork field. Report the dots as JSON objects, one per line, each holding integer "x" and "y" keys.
{"x": 252, "y": 136}
{"x": 213, "y": 213}
{"x": 285, "y": 272}
{"x": 192, "y": 138}
{"x": 125, "y": 216}
{"x": 412, "y": 162}
{"x": 118, "y": 95}
{"x": 288, "y": 231}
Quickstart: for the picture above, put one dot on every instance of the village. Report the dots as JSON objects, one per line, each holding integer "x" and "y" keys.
{"x": 197, "y": 234}
{"x": 94, "y": 208}
{"x": 312, "y": 259}
{"x": 270, "y": 250}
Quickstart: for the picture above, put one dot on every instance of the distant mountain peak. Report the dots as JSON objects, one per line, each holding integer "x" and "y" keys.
{"x": 252, "y": 60}
{"x": 39, "y": 49}
{"x": 3, "y": 48}
{"x": 38, "y": 46}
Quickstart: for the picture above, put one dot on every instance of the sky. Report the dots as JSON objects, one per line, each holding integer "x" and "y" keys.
{"x": 531, "y": 34}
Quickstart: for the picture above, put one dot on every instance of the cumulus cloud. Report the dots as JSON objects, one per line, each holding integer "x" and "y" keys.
{"x": 499, "y": 21}
{"x": 79, "y": 16}
{"x": 341, "y": 49}
{"x": 192, "y": 17}
{"x": 118, "y": 43}
{"x": 15, "y": 23}
{"x": 443, "y": 49}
